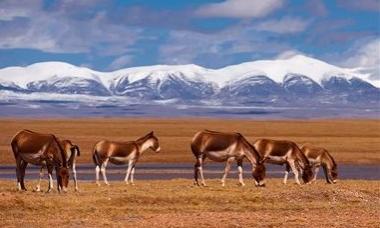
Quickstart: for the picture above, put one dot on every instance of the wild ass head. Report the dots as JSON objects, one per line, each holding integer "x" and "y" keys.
{"x": 333, "y": 170}
{"x": 333, "y": 177}
{"x": 62, "y": 178}
{"x": 62, "y": 171}
{"x": 307, "y": 173}
{"x": 153, "y": 140}
{"x": 258, "y": 173}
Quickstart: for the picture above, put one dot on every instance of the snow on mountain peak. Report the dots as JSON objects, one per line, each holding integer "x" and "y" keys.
{"x": 161, "y": 72}
{"x": 43, "y": 71}
{"x": 276, "y": 70}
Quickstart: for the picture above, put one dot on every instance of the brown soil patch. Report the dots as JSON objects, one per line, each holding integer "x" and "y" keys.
{"x": 349, "y": 141}
{"x": 177, "y": 203}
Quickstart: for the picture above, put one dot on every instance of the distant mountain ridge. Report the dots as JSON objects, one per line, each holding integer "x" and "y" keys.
{"x": 291, "y": 81}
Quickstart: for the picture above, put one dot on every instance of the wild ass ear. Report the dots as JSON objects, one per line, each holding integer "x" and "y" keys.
{"x": 151, "y": 133}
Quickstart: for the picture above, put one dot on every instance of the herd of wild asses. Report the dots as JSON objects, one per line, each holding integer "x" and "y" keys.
{"x": 50, "y": 152}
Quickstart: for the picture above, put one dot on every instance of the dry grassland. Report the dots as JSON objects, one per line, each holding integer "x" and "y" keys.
{"x": 177, "y": 203}
{"x": 350, "y": 141}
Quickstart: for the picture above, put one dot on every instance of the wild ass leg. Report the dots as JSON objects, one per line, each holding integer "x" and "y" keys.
{"x": 196, "y": 172}
{"x": 293, "y": 166}
{"x": 128, "y": 173}
{"x": 103, "y": 170}
{"x": 240, "y": 170}
{"x": 133, "y": 174}
{"x": 201, "y": 171}
{"x": 38, "y": 187}
{"x": 22, "y": 174}
{"x": 50, "y": 174}
{"x": 59, "y": 180}
{"x": 18, "y": 173}
{"x": 287, "y": 170}
{"x": 227, "y": 169}
{"x": 75, "y": 176}
{"x": 97, "y": 172}
{"x": 316, "y": 169}
{"x": 327, "y": 176}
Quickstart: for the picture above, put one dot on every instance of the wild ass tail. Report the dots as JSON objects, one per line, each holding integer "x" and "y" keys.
{"x": 14, "y": 149}
{"x": 77, "y": 149}
{"x": 14, "y": 144}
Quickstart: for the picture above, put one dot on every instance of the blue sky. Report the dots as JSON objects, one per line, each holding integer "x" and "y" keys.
{"x": 109, "y": 35}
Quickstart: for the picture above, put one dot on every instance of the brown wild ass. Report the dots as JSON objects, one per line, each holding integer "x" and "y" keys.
{"x": 42, "y": 150}
{"x": 72, "y": 151}
{"x": 120, "y": 153}
{"x": 225, "y": 147}
{"x": 288, "y": 153}
{"x": 321, "y": 157}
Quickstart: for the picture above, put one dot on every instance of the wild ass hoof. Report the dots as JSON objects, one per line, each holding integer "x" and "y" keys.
{"x": 241, "y": 184}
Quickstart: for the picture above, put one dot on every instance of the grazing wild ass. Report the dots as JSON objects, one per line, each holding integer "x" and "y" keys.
{"x": 120, "y": 153}
{"x": 42, "y": 150}
{"x": 321, "y": 157}
{"x": 72, "y": 151}
{"x": 288, "y": 153}
{"x": 226, "y": 147}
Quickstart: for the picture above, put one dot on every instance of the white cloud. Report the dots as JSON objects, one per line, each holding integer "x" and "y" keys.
{"x": 120, "y": 62}
{"x": 365, "y": 56}
{"x": 58, "y": 30}
{"x": 317, "y": 7}
{"x": 284, "y": 25}
{"x": 289, "y": 53}
{"x": 10, "y": 10}
{"x": 8, "y": 15}
{"x": 240, "y": 8}
{"x": 370, "y": 5}
{"x": 217, "y": 48}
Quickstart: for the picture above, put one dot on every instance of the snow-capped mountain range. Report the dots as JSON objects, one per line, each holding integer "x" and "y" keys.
{"x": 289, "y": 81}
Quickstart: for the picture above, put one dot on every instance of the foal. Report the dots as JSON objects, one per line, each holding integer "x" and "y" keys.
{"x": 120, "y": 153}
{"x": 72, "y": 152}
{"x": 285, "y": 152}
{"x": 319, "y": 156}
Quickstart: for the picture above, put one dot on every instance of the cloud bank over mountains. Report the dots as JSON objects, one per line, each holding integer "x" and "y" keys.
{"x": 107, "y": 35}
